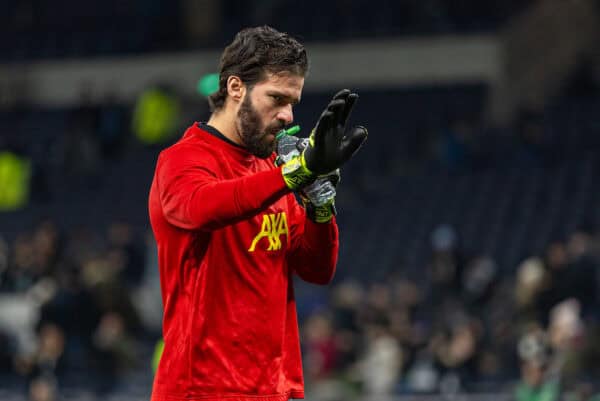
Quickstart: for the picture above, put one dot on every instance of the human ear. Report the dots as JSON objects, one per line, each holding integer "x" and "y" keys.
{"x": 235, "y": 88}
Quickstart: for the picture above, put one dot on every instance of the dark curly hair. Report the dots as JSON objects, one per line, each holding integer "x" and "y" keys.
{"x": 253, "y": 53}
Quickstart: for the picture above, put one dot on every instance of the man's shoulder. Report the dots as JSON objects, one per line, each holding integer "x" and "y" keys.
{"x": 193, "y": 143}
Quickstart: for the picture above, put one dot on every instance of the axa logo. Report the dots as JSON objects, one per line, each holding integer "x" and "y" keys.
{"x": 274, "y": 225}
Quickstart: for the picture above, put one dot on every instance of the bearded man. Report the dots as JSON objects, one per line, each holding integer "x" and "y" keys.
{"x": 231, "y": 234}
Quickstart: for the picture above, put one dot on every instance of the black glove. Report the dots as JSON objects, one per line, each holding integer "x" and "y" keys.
{"x": 330, "y": 145}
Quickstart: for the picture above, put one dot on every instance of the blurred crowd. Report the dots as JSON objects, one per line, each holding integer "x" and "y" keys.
{"x": 80, "y": 303}
{"x": 463, "y": 325}
{"x": 74, "y": 307}
{"x": 85, "y": 303}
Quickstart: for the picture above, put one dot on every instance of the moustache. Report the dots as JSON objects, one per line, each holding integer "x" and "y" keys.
{"x": 274, "y": 129}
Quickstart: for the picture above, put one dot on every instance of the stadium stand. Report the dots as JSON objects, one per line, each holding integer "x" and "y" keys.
{"x": 71, "y": 29}
{"x": 434, "y": 187}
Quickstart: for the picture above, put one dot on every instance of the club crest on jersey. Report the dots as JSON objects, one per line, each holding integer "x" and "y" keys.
{"x": 274, "y": 225}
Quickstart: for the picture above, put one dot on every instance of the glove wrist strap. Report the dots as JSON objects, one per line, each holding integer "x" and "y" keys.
{"x": 296, "y": 174}
{"x": 321, "y": 214}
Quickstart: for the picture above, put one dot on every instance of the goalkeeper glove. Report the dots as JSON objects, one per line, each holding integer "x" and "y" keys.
{"x": 318, "y": 197}
{"x": 319, "y": 200}
{"x": 329, "y": 145}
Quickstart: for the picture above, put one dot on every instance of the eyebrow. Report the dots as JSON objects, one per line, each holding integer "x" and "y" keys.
{"x": 290, "y": 99}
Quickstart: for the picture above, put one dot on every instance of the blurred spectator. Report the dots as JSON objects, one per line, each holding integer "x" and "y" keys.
{"x": 147, "y": 297}
{"x": 456, "y": 346}
{"x": 538, "y": 381}
{"x": 447, "y": 264}
{"x": 572, "y": 273}
{"x": 347, "y": 300}
{"x": 47, "y": 360}
{"x": 532, "y": 279}
{"x": 114, "y": 349}
{"x": 558, "y": 286}
{"x": 43, "y": 388}
{"x": 51, "y": 348}
{"x": 34, "y": 256}
{"x": 422, "y": 376}
{"x": 321, "y": 350}
{"x": 406, "y": 325}
{"x": 24, "y": 270}
{"x": 478, "y": 282}
{"x": 533, "y": 386}
{"x": 584, "y": 267}
{"x": 381, "y": 364}
{"x": 566, "y": 336}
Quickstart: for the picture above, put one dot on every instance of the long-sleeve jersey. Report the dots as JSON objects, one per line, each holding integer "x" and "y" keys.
{"x": 230, "y": 236}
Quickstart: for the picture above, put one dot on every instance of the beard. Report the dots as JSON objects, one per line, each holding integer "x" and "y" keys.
{"x": 256, "y": 139}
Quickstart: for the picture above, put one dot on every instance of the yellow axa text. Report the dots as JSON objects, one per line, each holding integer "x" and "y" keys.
{"x": 274, "y": 225}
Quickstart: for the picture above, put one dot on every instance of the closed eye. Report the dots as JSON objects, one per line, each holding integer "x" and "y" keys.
{"x": 281, "y": 99}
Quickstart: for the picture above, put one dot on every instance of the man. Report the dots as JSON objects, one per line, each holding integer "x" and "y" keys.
{"x": 231, "y": 234}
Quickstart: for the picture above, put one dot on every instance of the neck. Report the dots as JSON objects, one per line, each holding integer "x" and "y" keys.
{"x": 224, "y": 121}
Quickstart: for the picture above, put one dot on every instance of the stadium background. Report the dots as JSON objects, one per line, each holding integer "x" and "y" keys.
{"x": 469, "y": 222}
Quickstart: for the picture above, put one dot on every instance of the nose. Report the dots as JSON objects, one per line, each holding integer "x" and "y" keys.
{"x": 286, "y": 115}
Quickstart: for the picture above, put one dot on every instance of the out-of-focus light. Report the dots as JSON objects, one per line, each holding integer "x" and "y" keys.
{"x": 15, "y": 176}
{"x": 157, "y": 354}
{"x": 208, "y": 84}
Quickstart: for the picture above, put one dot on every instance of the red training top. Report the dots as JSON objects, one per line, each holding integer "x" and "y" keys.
{"x": 230, "y": 235}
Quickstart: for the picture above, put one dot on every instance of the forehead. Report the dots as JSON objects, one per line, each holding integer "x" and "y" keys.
{"x": 285, "y": 82}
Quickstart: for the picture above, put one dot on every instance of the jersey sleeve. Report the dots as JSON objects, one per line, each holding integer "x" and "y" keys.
{"x": 314, "y": 248}
{"x": 193, "y": 197}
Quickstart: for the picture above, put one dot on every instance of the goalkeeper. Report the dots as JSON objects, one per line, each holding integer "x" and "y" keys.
{"x": 231, "y": 234}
